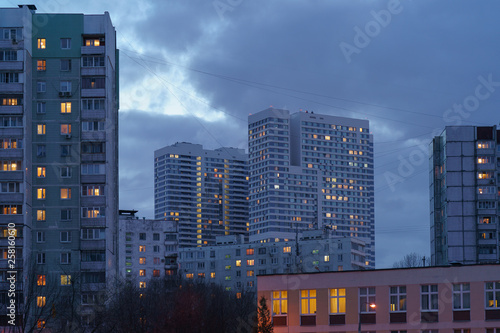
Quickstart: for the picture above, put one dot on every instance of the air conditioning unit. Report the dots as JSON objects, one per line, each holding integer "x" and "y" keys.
{"x": 67, "y": 93}
{"x": 68, "y": 136}
{"x": 61, "y": 94}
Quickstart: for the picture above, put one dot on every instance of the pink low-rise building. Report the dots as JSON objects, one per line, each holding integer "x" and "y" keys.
{"x": 446, "y": 299}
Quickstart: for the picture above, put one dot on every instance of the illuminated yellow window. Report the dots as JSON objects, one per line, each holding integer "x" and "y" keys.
{"x": 142, "y": 272}
{"x": 250, "y": 252}
{"x": 65, "y": 280}
{"x": 308, "y": 301}
{"x": 142, "y": 248}
{"x": 40, "y": 129}
{"x": 92, "y": 42}
{"x": 327, "y": 258}
{"x": 65, "y": 193}
{"x": 212, "y": 275}
{"x": 287, "y": 249}
{"x": 142, "y": 284}
{"x": 40, "y": 301}
{"x": 40, "y": 215}
{"x": 41, "y": 43}
{"x": 40, "y": 280}
{"x": 41, "y": 65}
{"x": 238, "y": 263}
{"x": 40, "y": 324}
{"x": 40, "y": 193}
{"x": 327, "y": 137}
{"x": 189, "y": 275}
{"x": 65, "y": 129}
{"x": 280, "y": 302}
{"x": 40, "y": 172}
{"x": 66, "y": 107}
{"x": 337, "y": 301}
{"x": 250, "y": 273}
{"x": 250, "y": 262}
{"x": 142, "y": 260}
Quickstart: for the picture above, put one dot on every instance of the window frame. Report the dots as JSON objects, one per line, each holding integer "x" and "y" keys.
{"x": 400, "y": 295}
{"x": 306, "y": 298}
{"x": 337, "y": 298}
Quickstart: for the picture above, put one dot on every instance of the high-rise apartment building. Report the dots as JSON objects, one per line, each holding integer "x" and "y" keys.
{"x": 59, "y": 159}
{"x": 310, "y": 171}
{"x": 204, "y": 191}
{"x": 464, "y": 194}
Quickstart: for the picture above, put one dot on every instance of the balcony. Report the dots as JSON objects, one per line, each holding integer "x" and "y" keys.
{"x": 94, "y": 135}
{"x": 11, "y": 109}
{"x": 92, "y": 92}
{"x": 10, "y": 44}
{"x": 93, "y": 71}
{"x": 11, "y": 175}
{"x": 14, "y": 198}
{"x": 93, "y": 50}
{"x": 96, "y": 222}
{"x": 93, "y": 244}
{"x": 4, "y": 242}
{"x": 90, "y": 201}
{"x": 94, "y": 179}
{"x": 93, "y": 114}
{"x": 171, "y": 254}
{"x": 93, "y": 265}
{"x": 94, "y": 157}
{"x": 4, "y": 264}
{"x": 14, "y": 218}
{"x": 11, "y": 65}
{"x": 11, "y": 154}
{"x": 11, "y": 132}
{"x": 11, "y": 87}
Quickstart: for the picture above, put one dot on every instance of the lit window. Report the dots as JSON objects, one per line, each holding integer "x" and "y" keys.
{"x": 65, "y": 280}
{"x": 142, "y": 272}
{"x": 40, "y": 215}
{"x": 189, "y": 275}
{"x": 308, "y": 301}
{"x": 483, "y": 145}
{"x": 40, "y": 129}
{"x": 397, "y": 298}
{"x": 40, "y": 172}
{"x": 212, "y": 275}
{"x": 250, "y": 252}
{"x": 41, "y": 43}
{"x": 492, "y": 294}
{"x": 238, "y": 263}
{"x": 280, "y": 302}
{"x": 461, "y": 296}
{"x": 337, "y": 301}
{"x": 483, "y": 160}
{"x": 429, "y": 297}
{"x": 40, "y": 193}
{"x": 327, "y": 258}
{"x": 66, "y": 107}
{"x": 156, "y": 272}
{"x": 41, "y": 280}
{"x": 250, "y": 262}
{"x": 142, "y": 260}
{"x": 250, "y": 273}
{"x": 142, "y": 248}
{"x": 287, "y": 249}
{"x": 40, "y": 301}
{"x": 65, "y": 193}
{"x": 228, "y": 267}
{"x": 41, "y": 65}
{"x": 65, "y": 129}
{"x": 40, "y": 324}
{"x": 142, "y": 284}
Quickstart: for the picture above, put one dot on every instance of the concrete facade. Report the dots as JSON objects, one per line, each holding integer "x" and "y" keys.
{"x": 236, "y": 265}
{"x": 60, "y": 109}
{"x": 205, "y": 192}
{"x": 448, "y": 299}
{"x": 464, "y": 194}
{"x": 147, "y": 248}
{"x": 310, "y": 171}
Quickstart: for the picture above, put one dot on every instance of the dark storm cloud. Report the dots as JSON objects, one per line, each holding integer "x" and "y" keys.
{"x": 405, "y": 77}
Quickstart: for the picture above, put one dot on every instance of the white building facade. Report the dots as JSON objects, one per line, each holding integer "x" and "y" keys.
{"x": 310, "y": 171}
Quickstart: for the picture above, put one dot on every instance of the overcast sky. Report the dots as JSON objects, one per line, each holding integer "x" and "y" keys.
{"x": 194, "y": 70}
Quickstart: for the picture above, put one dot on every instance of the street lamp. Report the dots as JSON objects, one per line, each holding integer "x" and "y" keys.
{"x": 371, "y": 305}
